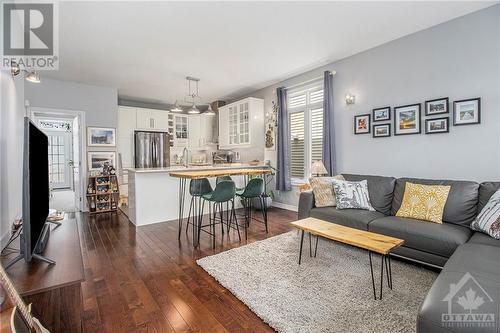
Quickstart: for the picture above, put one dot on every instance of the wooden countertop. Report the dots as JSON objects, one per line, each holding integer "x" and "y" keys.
{"x": 363, "y": 239}
{"x": 63, "y": 247}
{"x": 196, "y": 174}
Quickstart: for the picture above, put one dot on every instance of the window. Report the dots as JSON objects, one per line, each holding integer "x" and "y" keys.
{"x": 305, "y": 110}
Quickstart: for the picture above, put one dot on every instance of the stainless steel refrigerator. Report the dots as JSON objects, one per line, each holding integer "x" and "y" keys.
{"x": 152, "y": 149}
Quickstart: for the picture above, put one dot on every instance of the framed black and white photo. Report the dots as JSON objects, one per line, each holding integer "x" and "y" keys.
{"x": 407, "y": 119}
{"x": 381, "y": 114}
{"x": 362, "y": 124}
{"x": 437, "y": 125}
{"x": 101, "y": 137}
{"x": 436, "y": 106}
{"x": 467, "y": 112}
{"x": 381, "y": 130}
{"x": 96, "y": 159}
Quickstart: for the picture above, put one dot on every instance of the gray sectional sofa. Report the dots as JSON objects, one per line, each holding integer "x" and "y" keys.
{"x": 452, "y": 246}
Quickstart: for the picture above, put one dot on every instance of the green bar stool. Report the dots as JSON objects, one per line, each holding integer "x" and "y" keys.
{"x": 224, "y": 193}
{"x": 254, "y": 189}
{"x": 197, "y": 188}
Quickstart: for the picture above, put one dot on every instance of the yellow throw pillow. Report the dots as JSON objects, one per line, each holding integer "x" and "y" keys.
{"x": 322, "y": 187}
{"x": 424, "y": 202}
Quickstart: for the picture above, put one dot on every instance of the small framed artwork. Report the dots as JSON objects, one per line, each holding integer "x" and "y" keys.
{"x": 362, "y": 124}
{"x": 381, "y": 114}
{"x": 381, "y": 130}
{"x": 437, "y": 125}
{"x": 407, "y": 119}
{"x": 96, "y": 159}
{"x": 101, "y": 137}
{"x": 467, "y": 112}
{"x": 436, "y": 106}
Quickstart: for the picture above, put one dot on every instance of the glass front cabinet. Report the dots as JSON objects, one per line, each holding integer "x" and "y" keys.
{"x": 241, "y": 124}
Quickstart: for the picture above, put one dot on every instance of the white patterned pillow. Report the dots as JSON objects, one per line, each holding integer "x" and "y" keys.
{"x": 352, "y": 195}
{"x": 488, "y": 220}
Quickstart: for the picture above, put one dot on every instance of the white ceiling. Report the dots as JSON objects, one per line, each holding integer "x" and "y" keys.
{"x": 146, "y": 49}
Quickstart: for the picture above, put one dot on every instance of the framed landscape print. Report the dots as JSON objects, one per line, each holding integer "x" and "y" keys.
{"x": 436, "y": 106}
{"x": 437, "y": 125}
{"x": 362, "y": 124}
{"x": 101, "y": 137}
{"x": 96, "y": 159}
{"x": 407, "y": 119}
{"x": 381, "y": 130}
{"x": 381, "y": 114}
{"x": 467, "y": 112}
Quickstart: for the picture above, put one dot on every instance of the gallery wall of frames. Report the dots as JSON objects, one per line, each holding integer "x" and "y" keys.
{"x": 407, "y": 119}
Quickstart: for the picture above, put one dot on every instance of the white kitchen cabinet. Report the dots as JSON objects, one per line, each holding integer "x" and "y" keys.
{"x": 200, "y": 131}
{"x": 125, "y": 134}
{"x": 241, "y": 124}
{"x": 194, "y": 131}
{"x": 181, "y": 131}
{"x": 149, "y": 119}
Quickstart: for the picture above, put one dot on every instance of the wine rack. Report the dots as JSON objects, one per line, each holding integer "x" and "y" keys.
{"x": 102, "y": 194}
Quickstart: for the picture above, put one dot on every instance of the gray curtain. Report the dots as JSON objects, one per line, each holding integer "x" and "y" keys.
{"x": 283, "y": 182}
{"x": 328, "y": 125}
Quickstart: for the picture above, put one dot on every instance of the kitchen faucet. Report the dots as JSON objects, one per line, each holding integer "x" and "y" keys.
{"x": 185, "y": 154}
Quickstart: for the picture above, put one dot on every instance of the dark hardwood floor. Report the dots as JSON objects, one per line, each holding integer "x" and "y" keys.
{"x": 145, "y": 280}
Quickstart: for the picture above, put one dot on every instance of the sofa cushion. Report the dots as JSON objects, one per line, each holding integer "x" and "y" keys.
{"x": 480, "y": 238}
{"x": 354, "y": 218}
{"x": 477, "y": 259}
{"x": 380, "y": 189}
{"x": 461, "y": 205}
{"x": 439, "y": 239}
{"x": 486, "y": 190}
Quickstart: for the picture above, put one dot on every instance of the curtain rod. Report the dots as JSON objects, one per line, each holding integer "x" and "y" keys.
{"x": 309, "y": 81}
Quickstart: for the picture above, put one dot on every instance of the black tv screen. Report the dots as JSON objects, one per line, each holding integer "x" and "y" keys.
{"x": 35, "y": 185}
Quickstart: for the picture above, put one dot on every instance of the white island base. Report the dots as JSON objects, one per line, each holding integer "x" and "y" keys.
{"x": 154, "y": 195}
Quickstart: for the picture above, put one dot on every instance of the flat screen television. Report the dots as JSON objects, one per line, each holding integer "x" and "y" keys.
{"x": 35, "y": 187}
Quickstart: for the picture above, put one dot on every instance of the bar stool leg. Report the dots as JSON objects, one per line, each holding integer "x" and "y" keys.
{"x": 221, "y": 217}
{"x": 189, "y": 214}
{"x": 233, "y": 214}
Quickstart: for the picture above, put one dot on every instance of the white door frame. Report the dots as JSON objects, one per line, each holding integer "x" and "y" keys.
{"x": 33, "y": 111}
{"x": 68, "y": 174}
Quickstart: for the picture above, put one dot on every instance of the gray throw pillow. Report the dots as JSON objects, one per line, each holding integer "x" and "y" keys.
{"x": 488, "y": 220}
{"x": 352, "y": 195}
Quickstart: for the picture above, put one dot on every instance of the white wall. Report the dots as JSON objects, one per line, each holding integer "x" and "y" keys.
{"x": 457, "y": 59}
{"x": 11, "y": 151}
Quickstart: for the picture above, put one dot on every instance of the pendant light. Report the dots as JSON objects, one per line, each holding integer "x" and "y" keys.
{"x": 33, "y": 77}
{"x": 209, "y": 111}
{"x": 176, "y": 107}
{"x": 194, "y": 109}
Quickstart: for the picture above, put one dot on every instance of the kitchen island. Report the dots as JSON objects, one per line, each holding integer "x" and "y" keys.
{"x": 154, "y": 194}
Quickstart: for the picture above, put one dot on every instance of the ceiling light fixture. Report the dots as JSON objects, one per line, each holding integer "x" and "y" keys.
{"x": 15, "y": 70}
{"x": 209, "y": 111}
{"x": 194, "y": 109}
{"x": 177, "y": 107}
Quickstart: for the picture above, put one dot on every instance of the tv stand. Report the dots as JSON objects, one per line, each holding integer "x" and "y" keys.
{"x": 58, "y": 285}
{"x": 39, "y": 248}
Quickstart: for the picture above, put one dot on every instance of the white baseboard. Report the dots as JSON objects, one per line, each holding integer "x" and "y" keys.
{"x": 285, "y": 206}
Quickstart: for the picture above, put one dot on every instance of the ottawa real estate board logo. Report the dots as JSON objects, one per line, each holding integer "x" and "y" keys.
{"x": 30, "y": 36}
{"x": 470, "y": 305}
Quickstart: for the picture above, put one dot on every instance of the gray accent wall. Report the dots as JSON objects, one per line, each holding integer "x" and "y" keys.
{"x": 99, "y": 103}
{"x": 458, "y": 59}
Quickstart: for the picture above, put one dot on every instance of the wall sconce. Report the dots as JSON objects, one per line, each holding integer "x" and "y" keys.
{"x": 32, "y": 76}
{"x": 350, "y": 99}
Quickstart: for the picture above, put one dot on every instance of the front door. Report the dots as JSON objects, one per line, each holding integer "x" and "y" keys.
{"x": 60, "y": 170}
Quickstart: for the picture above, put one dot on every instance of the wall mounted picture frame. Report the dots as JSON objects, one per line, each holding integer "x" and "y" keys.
{"x": 381, "y": 114}
{"x": 437, "y": 106}
{"x": 437, "y": 125}
{"x": 101, "y": 137}
{"x": 96, "y": 159}
{"x": 407, "y": 119}
{"x": 467, "y": 112}
{"x": 381, "y": 130}
{"x": 362, "y": 124}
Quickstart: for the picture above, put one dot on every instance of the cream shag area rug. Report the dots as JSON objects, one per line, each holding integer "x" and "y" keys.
{"x": 329, "y": 293}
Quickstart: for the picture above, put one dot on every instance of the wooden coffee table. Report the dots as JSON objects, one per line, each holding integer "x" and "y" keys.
{"x": 370, "y": 241}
